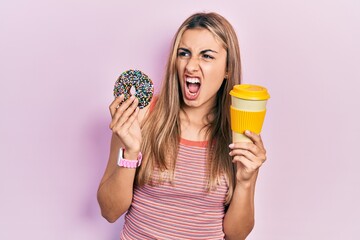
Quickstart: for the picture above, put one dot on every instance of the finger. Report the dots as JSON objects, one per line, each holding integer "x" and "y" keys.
{"x": 122, "y": 115}
{"x": 115, "y": 104}
{"x": 241, "y": 152}
{"x": 250, "y": 151}
{"x": 256, "y": 138}
{"x": 132, "y": 118}
{"x": 125, "y": 105}
{"x": 123, "y": 130}
{"x": 249, "y": 165}
{"x": 250, "y": 146}
{"x": 253, "y": 136}
{"x": 119, "y": 110}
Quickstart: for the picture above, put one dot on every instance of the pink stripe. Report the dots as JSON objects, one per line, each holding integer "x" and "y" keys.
{"x": 182, "y": 211}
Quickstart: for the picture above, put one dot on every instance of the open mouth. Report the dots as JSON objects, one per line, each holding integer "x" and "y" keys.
{"x": 193, "y": 86}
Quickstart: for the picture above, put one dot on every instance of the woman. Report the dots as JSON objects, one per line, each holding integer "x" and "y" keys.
{"x": 191, "y": 183}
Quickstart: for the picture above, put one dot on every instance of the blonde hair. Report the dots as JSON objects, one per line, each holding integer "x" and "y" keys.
{"x": 161, "y": 130}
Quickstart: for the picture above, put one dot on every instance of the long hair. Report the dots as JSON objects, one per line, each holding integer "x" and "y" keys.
{"x": 161, "y": 130}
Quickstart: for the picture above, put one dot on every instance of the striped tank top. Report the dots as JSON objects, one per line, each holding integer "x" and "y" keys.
{"x": 184, "y": 210}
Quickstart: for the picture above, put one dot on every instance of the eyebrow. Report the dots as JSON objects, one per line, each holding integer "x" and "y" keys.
{"x": 202, "y": 52}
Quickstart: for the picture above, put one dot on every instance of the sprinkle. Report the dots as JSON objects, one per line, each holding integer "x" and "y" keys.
{"x": 143, "y": 85}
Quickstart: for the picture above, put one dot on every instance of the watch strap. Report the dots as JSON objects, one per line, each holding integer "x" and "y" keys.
{"x": 126, "y": 163}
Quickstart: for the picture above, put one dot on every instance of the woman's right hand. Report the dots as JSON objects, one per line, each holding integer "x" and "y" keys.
{"x": 125, "y": 124}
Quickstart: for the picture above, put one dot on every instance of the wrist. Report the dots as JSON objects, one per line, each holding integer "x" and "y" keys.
{"x": 131, "y": 155}
{"x": 244, "y": 185}
{"x": 131, "y": 151}
{"x": 249, "y": 183}
{"x": 128, "y": 159}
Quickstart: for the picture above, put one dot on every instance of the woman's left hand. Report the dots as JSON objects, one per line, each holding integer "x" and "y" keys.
{"x": 248, "y": 156}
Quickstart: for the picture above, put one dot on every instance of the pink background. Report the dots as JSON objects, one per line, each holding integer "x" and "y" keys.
{"x": 60, "y": 59}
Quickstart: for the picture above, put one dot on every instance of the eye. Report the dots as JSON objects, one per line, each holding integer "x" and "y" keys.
{"x": 183, "y": 53}
{"x": 207, "y": 56}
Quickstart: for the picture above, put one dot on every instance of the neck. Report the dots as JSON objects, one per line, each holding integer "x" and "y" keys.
{"x": 199, "y": 113}
{"x": 193, "y": 122}
{"x": 193, "y": 116}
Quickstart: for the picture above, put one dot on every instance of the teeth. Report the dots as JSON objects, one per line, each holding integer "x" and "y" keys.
{"x": 192, "y": 80}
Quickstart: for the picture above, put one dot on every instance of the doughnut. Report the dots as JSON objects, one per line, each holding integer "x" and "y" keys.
{"x": 135, "y": 82}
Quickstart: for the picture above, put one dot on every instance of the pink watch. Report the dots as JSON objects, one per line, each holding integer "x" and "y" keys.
{"x": 128, "y": 163}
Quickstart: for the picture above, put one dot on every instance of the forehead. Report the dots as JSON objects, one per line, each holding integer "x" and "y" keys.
{"x": 199, "y": 38}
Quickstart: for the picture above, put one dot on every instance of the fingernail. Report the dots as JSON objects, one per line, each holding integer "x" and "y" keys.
{"x": 247, "y": 132}
{"x": 231, "y": 145}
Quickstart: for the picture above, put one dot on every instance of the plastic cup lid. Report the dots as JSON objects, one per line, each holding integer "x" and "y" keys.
{"x": 250, "y": 92}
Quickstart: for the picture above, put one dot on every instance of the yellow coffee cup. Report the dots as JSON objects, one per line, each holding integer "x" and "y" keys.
{"x": 247, "y": 110}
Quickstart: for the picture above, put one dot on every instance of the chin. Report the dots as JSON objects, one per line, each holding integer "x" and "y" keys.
{"x": 194, "y": 103}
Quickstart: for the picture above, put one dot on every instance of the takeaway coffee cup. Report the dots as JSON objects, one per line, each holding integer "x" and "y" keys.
{"x": 247, "y": 110}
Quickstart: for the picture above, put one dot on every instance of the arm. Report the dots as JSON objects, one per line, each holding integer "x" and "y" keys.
{"x": 239, "y": 218}
{"x": 116, "y": 187}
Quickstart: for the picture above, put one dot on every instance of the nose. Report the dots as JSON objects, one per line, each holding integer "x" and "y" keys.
{"x": 192, "y": 65}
